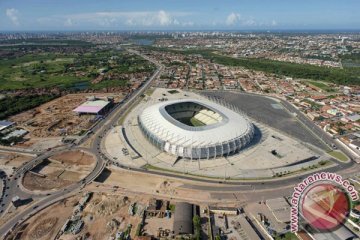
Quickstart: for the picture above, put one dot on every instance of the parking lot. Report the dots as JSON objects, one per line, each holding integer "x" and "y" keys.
{"x": 270, "y": 112}
{"x": 2, "y": 190}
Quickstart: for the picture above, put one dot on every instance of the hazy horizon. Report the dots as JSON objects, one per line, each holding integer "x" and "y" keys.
{"x": 161, "y": 15}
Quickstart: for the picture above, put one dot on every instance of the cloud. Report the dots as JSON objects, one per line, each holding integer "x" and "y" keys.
{"x": 188, "y": 24}
{"x": 233, "y": 18}
{"x": 13, "y": 15}
{"x": 164, "y": 18}
{"x": 159, "y": 18}
{"x": 236, "y": 19}
{"x": 69, "y": 22}
{"x": 249, "y": 23}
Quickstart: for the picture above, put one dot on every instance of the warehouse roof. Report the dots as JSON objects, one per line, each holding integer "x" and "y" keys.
{"x": 91, "y": 106}
{"x": 183, "y": 218}
{"x": 5, "y": 124}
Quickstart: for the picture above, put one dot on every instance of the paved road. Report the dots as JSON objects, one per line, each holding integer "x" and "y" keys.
{"x": 100, "y": 131}
{"x": 22, "y": 151}
{"x": 317, "y": 130}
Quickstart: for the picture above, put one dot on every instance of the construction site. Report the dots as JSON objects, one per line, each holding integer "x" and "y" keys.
{"x": 91, "y": 215}
{"x": 10, "y": 161}
{"x": 59, "y": 171}
{"x": 57, "y": 118}
{"x": 47, "y": 224}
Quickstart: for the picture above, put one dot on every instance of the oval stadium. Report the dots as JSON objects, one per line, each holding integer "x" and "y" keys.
{"x": 195, "y": 129}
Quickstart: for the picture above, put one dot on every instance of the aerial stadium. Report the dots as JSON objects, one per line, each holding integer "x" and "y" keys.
{"x": 191, "y": 133}
{"x": 195, "y": 129}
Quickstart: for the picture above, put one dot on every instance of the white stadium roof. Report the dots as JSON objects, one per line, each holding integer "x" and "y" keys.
{"x": 226, "y": 126}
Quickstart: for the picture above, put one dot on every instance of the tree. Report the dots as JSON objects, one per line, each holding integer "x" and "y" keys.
{"x": 197, "y": 227}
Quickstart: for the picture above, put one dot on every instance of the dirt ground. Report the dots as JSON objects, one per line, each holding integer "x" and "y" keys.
{"x": 41, "y": 144}
{"x": 47, "y": 223}
{"x": 59, "y": 171}
{"x": 152, "y": 224}
{"x": 106, "y": 214}
{"x": 150, "y": 184}
{"x": 13, "y": 159}
{"x": 103, "y": 216}
{"x": 74, "y": 158}
{"x": 56, "y": 118}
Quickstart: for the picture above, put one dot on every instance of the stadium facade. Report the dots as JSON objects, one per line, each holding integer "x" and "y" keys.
{"x": 195, "y": 129}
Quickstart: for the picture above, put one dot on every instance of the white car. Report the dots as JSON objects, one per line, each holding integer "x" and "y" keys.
{"x": 355, "y": 213}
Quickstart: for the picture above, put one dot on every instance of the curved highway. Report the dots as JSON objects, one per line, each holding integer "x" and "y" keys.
{"x": 12, "y": 183}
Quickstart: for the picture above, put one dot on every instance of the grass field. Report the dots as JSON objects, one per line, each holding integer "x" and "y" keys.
{"x": 321, "y": 85}
{"x": 196, "y": 123}
{"x": 193, "y": 122}
{"x": 338, "y": 155}
{"x": 46, "y": 70}
{"x": 25, "y": 72}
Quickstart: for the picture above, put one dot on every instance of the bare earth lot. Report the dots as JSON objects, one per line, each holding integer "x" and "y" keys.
{"x": 56, "y": 118}
{"x": 106, "y": 214}
{"x": 47, "y": 223}
{"x": 13, "y": 159}
{"x": 59, "y": 171}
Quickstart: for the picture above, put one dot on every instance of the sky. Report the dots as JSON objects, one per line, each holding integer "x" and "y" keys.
{"x": 74, "y": 15}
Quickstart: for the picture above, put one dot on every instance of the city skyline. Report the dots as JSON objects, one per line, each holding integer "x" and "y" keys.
{"x": 45, "y": 15}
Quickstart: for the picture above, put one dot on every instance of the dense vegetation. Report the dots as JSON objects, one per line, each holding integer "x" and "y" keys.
{"x": 197, "y": 227}
{"x": 12, "y": 105}
{"x": 304, "y": 71}
{"x": 351, "y": 60}
{"x": 70, "y": 69}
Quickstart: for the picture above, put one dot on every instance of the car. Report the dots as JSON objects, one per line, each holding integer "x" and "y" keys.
{"x": 35, "y": 207}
